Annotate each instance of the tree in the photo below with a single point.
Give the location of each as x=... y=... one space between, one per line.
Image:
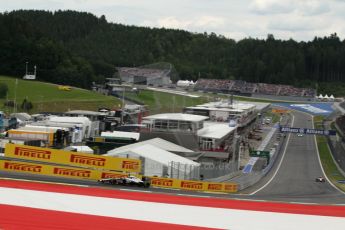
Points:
x=3 y=90
x=26 y=105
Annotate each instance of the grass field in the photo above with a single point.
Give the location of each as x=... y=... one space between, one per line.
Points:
x=164 y=102
x=328 y=164
x=47 y=97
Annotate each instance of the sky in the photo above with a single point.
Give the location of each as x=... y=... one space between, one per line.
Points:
x=300 y=20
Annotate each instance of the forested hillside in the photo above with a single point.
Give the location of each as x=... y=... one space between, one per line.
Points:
x=78 y=48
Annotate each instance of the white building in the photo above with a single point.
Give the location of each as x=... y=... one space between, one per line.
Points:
x=216 y=136
x=93 y=116
x=174 y=122
x=223 y=111
x=190 y=131
x=82 y=126
x=144 y=76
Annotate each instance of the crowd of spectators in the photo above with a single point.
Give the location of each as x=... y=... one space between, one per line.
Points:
x=213 y=85
x=269 y=89
x=248 y=87
x=287 y=90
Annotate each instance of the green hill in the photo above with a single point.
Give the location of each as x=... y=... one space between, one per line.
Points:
x=48 y=97
x=78 y=48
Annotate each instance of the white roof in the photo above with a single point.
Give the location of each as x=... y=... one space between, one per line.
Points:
x=53 y=124
x=121 y=134
x=215 y=109
x=84 y=112
x=177 y=116
x=159 y=155
x=226 y=104
x=84 y=148
x=157 y=142
x=82 y=120
x=320 y=96
x=215 y=130
x=41 y=128
x=326 y=96
x=331 y=96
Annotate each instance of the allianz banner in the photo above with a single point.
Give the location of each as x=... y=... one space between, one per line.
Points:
x=72 y=158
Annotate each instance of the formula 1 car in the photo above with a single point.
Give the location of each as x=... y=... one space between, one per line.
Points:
x=320 y=179
x=130 y=180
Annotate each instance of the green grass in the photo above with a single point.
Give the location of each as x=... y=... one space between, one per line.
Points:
x=160 y=102
x=47 y=97
x=327 y=161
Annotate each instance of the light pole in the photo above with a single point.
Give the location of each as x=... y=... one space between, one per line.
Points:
x=26 y=68
x=15 y=96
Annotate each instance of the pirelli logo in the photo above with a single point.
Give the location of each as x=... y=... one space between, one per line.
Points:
x=231 y=187
x=72 y=172
x=162 y=182
x=132 y=165
x=191 y=185
x=214 y=187
x=86 y=160
x=112 y=175
x=23 y=167
x=32 y=153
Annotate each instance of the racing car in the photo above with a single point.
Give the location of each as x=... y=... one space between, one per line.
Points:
x=130 y=180
x=320 y=179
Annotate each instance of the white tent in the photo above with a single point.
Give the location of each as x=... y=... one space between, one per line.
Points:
x=320 y=96
x=331 y=97
x=157 y=162
x=157 y=142
x=186 y=83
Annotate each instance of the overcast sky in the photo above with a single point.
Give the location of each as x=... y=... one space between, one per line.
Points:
x=237 y=19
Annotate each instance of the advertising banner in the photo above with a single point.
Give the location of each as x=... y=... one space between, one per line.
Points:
x=308 y=131
x=280 y=111
x=72 y=158
x=49 y=170
x=60 y=171
x=193 y=185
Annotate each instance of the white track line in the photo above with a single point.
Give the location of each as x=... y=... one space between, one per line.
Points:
x=45 y=182
x=280 y=163
x=134 y=190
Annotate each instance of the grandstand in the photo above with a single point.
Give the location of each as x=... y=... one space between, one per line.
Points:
x=157 y=74
x=243 y=87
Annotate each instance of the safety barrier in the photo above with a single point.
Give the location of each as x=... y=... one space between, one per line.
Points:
x=59 y=171
x=193 y=185
x=72 y=158
x=90 y=174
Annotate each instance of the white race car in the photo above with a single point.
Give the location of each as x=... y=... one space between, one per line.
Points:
x=130 y=180
x=320 y=179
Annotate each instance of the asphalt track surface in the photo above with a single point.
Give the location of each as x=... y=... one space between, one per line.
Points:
x=292 y=179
